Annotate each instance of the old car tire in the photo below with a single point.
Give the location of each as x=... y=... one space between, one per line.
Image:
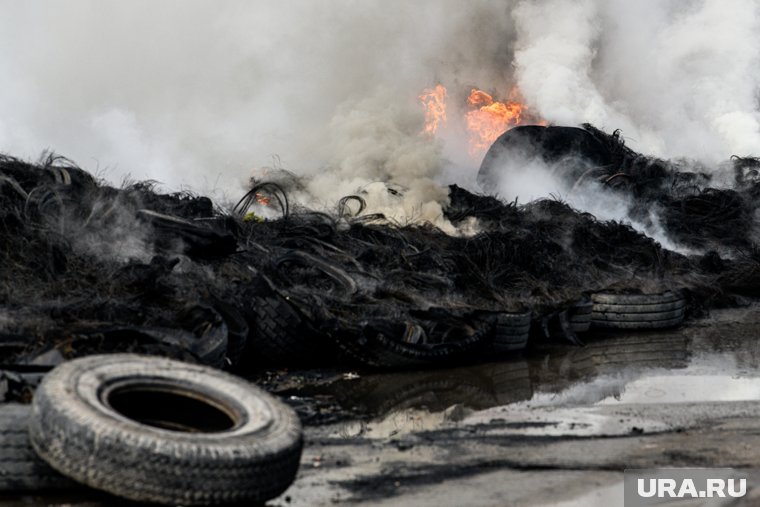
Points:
x=237 y=328
x=20 y=468
x=638 y=311
x=640 y=308
x=511 y=331
x=281 y=335
x=156 y=430
x=211 y=333
x=580 y=316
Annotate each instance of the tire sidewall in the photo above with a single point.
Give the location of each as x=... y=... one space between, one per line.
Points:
x=82 y=437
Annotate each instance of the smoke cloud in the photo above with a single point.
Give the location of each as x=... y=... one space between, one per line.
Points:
x=679 y=77
x=199 y=94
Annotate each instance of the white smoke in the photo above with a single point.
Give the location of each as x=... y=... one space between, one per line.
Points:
x=185 y=91
x=525 y=178
x=198 y=94
x=679 y=77
x=375 y=145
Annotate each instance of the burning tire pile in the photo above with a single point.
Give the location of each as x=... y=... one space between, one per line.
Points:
x=91 y=269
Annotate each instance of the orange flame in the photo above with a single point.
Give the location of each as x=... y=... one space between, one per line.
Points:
x=488 y=119
x=262 y=199
x=434 y=102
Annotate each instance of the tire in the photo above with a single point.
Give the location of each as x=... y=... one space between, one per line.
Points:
x=211 y=333
x=119 y=423
x=637 y=317
x=20 y=468
x=511 y=332
x=580 y=316
x=637 y=299
x=237 y=328
x=280 y=336
x=638 y=311
x=552 y=144
x=634 y=308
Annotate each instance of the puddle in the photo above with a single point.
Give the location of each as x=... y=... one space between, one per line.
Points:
x=563 y=390
x=616 y=385
x=687 y=389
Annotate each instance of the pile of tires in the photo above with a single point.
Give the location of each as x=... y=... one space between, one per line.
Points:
x=579 y=316
x=156 y=430
x=511 y=331
x=638 y=311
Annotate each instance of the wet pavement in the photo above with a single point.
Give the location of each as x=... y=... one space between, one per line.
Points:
x=556 y=426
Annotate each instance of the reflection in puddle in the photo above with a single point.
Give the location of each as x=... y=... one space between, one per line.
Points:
x=649 y=369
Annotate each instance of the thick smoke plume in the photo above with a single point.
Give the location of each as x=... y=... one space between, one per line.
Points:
x=203 y=94
x=679 y=77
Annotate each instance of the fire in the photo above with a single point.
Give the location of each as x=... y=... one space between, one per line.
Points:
x=262 y=199
x=488 y=119
x=434 y=102
x=485 y=118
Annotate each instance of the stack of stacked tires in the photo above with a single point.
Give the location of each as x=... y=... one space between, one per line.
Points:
x=638 y=311
x=580 y=316
x=511 y=331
